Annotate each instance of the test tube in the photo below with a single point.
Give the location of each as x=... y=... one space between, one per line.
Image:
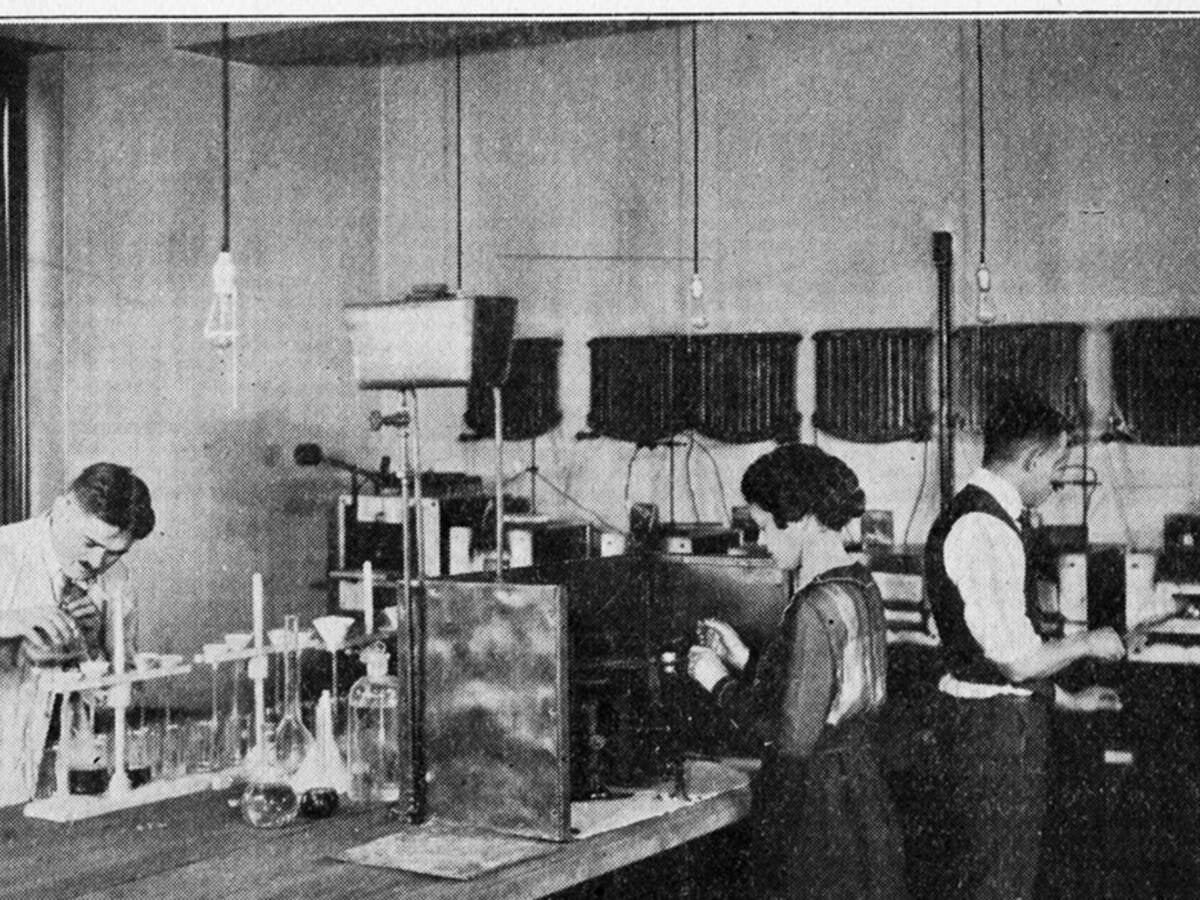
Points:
x=173 y=750
x=201 y=746
x=138 y=762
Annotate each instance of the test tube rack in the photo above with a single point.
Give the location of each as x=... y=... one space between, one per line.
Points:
x=66 y=807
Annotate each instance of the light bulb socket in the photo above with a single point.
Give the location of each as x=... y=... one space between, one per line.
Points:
x=697 y=287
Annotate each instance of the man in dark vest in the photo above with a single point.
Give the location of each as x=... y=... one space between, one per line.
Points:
x=997 y=667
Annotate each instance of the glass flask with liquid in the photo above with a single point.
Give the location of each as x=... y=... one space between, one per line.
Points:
x=269 y=800
x=88 y=751
x=373 y=732
x=292 y=740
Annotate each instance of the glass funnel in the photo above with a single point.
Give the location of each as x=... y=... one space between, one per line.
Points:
x=292 y=740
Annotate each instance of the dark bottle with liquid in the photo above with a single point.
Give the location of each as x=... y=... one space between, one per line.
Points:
x=91 y=781
x=318 y=803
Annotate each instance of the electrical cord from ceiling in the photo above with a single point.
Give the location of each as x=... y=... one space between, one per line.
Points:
x=458 y=173
x=985 y=310
x=696 y=317
x=982 y=147
x=225 y=190
x=695 y=158
x=220 y=326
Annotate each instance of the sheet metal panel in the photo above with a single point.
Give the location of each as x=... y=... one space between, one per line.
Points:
x=496 y=706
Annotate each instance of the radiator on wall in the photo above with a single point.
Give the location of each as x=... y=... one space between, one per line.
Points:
x=1156 y=380
x=1043 y=358
x=736 y=388
x=529 y=397
x=873 y=384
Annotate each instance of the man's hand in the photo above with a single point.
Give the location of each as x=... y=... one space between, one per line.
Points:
x=720 y=637
x=1105 y=644
x=42 y=625
x=81 y=608
x=705 y=667
x=49 y=635
x=1090 y=700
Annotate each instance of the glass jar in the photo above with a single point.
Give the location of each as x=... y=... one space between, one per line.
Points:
x=373 y=732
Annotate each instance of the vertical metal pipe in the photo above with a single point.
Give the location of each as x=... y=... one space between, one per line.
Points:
x=1085 y=421
x=943 y=262
x=416 y=639
x=498 y=436
x=418 y=510
x=533 y=475
x=671 y=478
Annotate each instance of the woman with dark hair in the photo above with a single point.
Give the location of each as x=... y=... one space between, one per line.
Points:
x=824 y=824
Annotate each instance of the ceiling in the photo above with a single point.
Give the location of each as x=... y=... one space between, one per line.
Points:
x=369 y=43
x=359 y=42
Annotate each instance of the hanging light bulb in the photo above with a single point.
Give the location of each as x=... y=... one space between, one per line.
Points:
x=985 y=310
x=221 y=328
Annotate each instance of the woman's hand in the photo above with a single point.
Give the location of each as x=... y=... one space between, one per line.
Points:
x=705 y=667
x=720 y=637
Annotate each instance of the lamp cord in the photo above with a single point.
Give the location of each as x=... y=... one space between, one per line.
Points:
x=695 y=159
x=458 y=207
x=982 y=145
x=225 y=242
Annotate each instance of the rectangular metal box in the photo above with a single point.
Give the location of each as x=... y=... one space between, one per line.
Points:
x=431 y=343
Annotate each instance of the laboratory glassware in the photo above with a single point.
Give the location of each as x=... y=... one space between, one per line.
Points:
x=373 y=732
x=292 y=739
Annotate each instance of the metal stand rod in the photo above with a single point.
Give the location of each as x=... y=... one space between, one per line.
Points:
x=671 y=478
x=419 y=512
x=943 y=262
x=414 y=634
x=416 y=732
x=498 y=436
x=533 y=473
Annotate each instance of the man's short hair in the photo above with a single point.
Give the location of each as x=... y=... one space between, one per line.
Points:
x=114 y=495
x=1018 y=419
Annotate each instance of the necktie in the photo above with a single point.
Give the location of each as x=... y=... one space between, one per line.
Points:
x=90 y=626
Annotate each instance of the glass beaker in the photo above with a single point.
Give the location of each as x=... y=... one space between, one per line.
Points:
x=292 y=739
x=89 y=768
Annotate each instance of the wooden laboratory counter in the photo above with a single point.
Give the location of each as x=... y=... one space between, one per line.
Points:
x=199 y=847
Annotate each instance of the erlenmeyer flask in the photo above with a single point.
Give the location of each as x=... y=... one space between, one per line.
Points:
x=292 y=739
